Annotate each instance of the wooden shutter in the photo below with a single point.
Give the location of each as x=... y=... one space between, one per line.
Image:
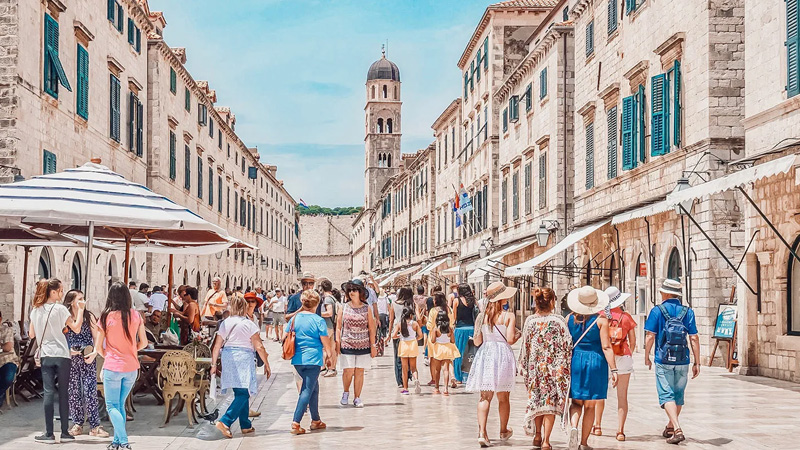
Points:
x=114 y=114
x=138 y=40
x=48 y=162
x=628 y=139
x=590 y=38
x=486 y=53
x=612 y=16
x=658 y=112
x=466 y=85
x=528 y=192
x=187 y=100
x=82 y=97
x=210 y=185
x=478 y=65
x=640 y=124
x=172 y=156
x=528 y=99
x=131 y=121
x=120 y=17
x=504 y=201
x=542 y=180
x=111 y=9
x=139 y=128
x=611 y=121
x=515 y=195
x=792 y=48
x=187 y=168
x=543 y=83
x=131 y=35
x=590 y=156
x=173 y=80
x=199 y=177
x=676 y=104
x=219 y=194
x=505 y=119
x=471 y=76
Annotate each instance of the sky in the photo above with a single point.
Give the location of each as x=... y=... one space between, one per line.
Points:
x=294 y=72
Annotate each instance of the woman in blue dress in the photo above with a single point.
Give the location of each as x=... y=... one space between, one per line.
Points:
x=591 y=358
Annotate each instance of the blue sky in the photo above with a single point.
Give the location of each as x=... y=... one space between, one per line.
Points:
x=293 y=72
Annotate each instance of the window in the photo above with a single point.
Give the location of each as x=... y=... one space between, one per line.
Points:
x=504 y=201
x=229 y=150
x=210 y=185
x=612 y=15
x=486 y=53
x=793 y=292
x=219 y=193
x=513 y=108
x=187 y=100
x=633 y=130
x=666 y=111
x=173 y=81
x=228 y=202
x=674 y=266
x=631 y=5
x=82 y=96
x=543 y=83
x=172 y=156
x=187 y=168
x=590 y=38
x=543 y=180
x=505 y=120
x=466 y=85
x=611 y=119
x=48 y=163
x=515 y=195
x=528 y=97
x=472 y=76
x=565 y=14
x=115 y=14
x=199 y=177
x=202 y=114
x=589 y=155
x=792 y=48
x=527 y=187
x=219 y=138
x=114 y=106
x=211 y=128
x=485 y=123
x=478 y=68
x=135 y=124
x=53 y=70
x=485 y=206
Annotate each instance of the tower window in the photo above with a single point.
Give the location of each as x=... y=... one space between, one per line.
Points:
x=380 y=125
x=385 y=92
x=373 y=92
x=389 y=160
x=396 y=96
x=388 y=125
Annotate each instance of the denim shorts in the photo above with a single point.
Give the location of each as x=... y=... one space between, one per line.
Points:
x=671 y=383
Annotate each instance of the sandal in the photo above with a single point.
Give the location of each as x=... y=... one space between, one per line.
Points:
x=318 y=425
x=297 y=429
x=507 y=435
x=621 y=436
x=537 y=440
x=668 y=432
x=224 y=429
x=597 y=431
x=676 y=438
x=547 y=447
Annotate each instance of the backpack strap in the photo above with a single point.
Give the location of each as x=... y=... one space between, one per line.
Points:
x=682 y=314
x=664 y=312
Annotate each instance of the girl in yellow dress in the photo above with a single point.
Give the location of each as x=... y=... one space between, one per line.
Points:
x=444 y=348
x=408 y=331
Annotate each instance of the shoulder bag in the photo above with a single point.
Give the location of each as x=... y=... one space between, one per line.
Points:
x=288 y=341
x=37 y=357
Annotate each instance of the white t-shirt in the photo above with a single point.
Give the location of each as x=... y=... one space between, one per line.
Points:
x=383 y=305
x=398 y=313
x=52 y=337
x=139 y=300
x=280 y=305
x=157 y=301
x=238 y=330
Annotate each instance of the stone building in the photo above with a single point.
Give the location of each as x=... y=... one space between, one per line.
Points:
x=83 y=80
x=325 y=246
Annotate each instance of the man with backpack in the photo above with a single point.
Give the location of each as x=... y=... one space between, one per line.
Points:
x=671 y=327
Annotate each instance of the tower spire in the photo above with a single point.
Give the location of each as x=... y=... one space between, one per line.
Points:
x=383 y=50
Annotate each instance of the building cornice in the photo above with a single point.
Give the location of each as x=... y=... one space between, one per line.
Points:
x=447 y=114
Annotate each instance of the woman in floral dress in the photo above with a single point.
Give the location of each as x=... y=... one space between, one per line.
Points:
x=544 y=361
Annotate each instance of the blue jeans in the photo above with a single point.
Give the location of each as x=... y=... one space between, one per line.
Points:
x=117 y=387
x=671 y=383
x=55 y=378
x=309 y=393
x=425 y=338
x=239 y=409
x=7 y=372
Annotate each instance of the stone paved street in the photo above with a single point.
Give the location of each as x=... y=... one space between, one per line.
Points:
x=724 y=412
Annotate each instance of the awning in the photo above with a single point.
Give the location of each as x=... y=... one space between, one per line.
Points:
x=479 y=274
x=428 y=269
x=389 y=277
x=451 y=272
x=399 y=273
x=645 y=211
x=527 y=267
x=498 y=255
x=736 y=179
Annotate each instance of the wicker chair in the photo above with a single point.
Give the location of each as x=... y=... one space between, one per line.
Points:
x=176 y=375
x=201 y=381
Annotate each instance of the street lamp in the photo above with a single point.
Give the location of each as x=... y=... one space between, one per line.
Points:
x=263 y=263
x=543 y=233
x=483 y=250
x=685 y=206
x=286 y=270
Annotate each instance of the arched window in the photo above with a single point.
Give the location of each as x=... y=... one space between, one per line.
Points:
x=77 y=272
x=588 y=279
x=197 y=285
x=674 y=266
x=227 y=281
x=45 y=266
x=385 y=92
x=373 y=92
x=132 y=269
x=380 y=125
x=389 y=160
x=793 y=292
x=209 y=282
x=396 y=97
x=388 y=125
x=185 y=276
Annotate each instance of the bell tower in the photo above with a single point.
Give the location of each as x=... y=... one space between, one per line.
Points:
x=382 y=127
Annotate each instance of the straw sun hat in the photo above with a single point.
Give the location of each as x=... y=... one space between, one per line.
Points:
x=587 y=300
x=498 y=291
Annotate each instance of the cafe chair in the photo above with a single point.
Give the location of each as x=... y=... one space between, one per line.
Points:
x=201 y=380
x=176 y=379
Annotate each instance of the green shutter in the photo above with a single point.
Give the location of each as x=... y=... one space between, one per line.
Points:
x=82 y=97
x=173 y=81
x=628 y=138
x=471 y=76
x=590 y=38
x=659 y=113
x=612 y=16
x=528 y=99
x=630 y=6
x=139 y=128
x=639 y=125
x=542 y=180
x=505 y=119
x=53 y=70
x=792 y=48
x=131 y=35
x=199 y=177
x=676 y=104
x=187 y=100
x=590 y=156
x=131 y=121
x=111 y=9
x=138 y=40
x=48 y=162
x=219 y=194
x=187 y=168
x=466 y=85
x=611 y=121
x=210 y=185
x=478 y=66
x=114 y=102
x=172 y=157
x=486 y=53
x=120 y=18
x=543 y=83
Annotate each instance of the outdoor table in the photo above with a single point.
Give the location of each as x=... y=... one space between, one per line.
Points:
x=148 y=378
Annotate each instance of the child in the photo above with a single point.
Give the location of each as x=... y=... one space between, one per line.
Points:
x=444 y=349
x=407 y=331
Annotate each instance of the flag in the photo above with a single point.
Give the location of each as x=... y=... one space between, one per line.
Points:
x=465 y=204
x=457 y=214
x=303 y=204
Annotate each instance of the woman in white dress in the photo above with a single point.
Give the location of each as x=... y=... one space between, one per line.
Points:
x=494 y=366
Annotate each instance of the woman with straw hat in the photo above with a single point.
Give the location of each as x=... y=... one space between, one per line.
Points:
x=591 y=358
x=494 y=366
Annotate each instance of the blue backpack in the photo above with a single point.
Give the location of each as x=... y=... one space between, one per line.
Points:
x=675 y=341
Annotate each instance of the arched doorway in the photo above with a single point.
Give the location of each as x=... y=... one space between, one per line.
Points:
x=77 y=271
x=45 y=269
x=197 y=284
x=793 y=292
x=132 y=269
x=674 y=265
x=111 y=271
x=227 y=281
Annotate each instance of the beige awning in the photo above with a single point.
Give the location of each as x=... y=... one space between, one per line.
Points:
x=428 y=269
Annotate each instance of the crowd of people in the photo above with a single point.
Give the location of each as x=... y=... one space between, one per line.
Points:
x=567 y=363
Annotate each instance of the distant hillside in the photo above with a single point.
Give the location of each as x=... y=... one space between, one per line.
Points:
x=338 y=211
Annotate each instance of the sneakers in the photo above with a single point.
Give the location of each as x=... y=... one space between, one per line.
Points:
x=76 y=430
x=46 y=438
x=112 y=446
x=405 y=392
x=330 y=373
x=345 y=399
x=98 y=432
x=124 y=447
x=417 y=388
x=66 y=437
x=252 y=413
x=358 y=403
x=574 y=438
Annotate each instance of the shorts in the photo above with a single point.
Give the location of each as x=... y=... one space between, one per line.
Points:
x=355 y=361
x=279 y=318
x=671 y=383
x=624 y=364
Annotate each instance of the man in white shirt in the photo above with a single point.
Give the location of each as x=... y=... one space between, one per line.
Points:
x=157 y=299
x=138 y=300
x=278 y=307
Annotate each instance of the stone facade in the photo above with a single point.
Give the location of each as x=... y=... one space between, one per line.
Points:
x=325 y=247
x=45 y=127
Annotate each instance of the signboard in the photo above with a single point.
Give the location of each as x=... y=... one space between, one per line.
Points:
x=642 y=269
x=726 y=322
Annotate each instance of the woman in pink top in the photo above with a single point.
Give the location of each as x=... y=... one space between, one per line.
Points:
x=121 y=335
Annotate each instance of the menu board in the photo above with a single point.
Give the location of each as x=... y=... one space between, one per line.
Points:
x=726 y=322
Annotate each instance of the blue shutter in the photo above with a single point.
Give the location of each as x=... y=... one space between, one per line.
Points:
x=187 y=168
x=82 y=97
x=486 y=53
x=528 y=99
x=590 y=38
x=172 y=156
x=612 y=16
x=628 y=138
x=111 y=9
x=676 y=101
x=199 y=177
x=639 y=125
x=792 y=48
x=590 y=156
x=658 y=112
x=48 y=162
x=611 y=121
x=630 y=6
x=114 y=102
x=131 y=33
x=543 y=83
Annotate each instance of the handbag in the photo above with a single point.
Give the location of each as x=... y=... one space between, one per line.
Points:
x=288 y=342
x=468 y=356
x=37 y=357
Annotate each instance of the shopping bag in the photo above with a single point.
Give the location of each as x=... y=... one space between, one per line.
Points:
x=468 y=356
x=212 y=389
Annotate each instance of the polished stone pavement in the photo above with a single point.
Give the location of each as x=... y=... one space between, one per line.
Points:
x=724 y=411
